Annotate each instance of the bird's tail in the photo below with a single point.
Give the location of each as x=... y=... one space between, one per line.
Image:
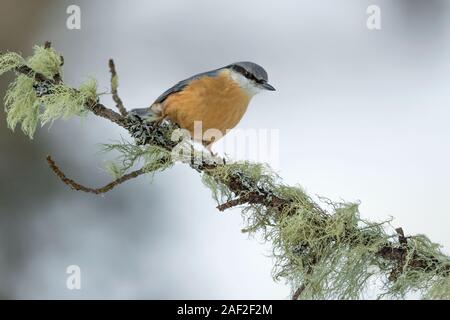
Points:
x=151 y=114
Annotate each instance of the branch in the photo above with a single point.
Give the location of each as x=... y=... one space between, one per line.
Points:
x=298 y=292
x=76 y=186
x=232 y=203
x=304 y=233
x=95 y=107
x=26 y=70
x=100 y=110
x=114 y=85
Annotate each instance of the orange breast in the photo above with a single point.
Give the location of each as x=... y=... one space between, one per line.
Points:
x=218 y=102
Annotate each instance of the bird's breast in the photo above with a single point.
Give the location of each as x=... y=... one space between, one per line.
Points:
x=218 y=102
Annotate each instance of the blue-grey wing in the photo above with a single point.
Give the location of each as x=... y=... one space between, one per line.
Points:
x=182 y=84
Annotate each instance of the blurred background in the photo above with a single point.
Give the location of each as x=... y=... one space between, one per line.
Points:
x=362 y=115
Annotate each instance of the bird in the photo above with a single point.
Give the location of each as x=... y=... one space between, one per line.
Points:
x=218 y=99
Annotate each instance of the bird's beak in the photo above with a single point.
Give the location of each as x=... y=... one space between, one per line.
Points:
x=267 y=86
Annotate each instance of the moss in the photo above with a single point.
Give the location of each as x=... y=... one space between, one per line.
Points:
x=9 y=61
x=22 y=105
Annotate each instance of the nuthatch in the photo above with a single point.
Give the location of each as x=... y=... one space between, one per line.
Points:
x=218 y=99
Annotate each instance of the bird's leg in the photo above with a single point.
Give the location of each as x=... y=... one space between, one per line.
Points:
x=153 y=115
x=160 y=120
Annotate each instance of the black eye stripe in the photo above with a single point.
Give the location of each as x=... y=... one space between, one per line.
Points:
x=250 y=71
x=247 y=74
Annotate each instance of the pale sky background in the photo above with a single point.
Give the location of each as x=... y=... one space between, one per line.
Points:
x=362 y=115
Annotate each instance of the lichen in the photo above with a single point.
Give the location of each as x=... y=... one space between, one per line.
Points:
x=152 y=158
x=439 y=289
x=431 y=279
x=322 y=246
x=114 y=82
x=65 y=102
x=245 y=171
x=45 y=61
x=114 y=169
x=9 y=61
x=325 y=247
x=22 y=105
x=28 y=101
x=327 y=253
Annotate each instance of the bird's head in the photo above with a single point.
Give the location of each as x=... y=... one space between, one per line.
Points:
x=250 y=76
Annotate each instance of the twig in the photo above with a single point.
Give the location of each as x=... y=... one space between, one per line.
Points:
x=401 y=236
x=26 y=70
x=232 y=203
x=76 y=186
x=115 y=95
x=95 y=107
x=302 y=288
x=246 y=193
x=298 y=292
x=100 y=110
x=391 y=252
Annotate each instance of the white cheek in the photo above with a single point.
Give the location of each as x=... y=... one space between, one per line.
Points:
x=246 y=84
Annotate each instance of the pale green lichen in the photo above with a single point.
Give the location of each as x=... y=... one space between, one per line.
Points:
x=88 y=90
x=430 y=279
x=114 y=82
x=332 y=252
x=22 y=105
x=439 y=289
x=328 y=254
x=153 y=158
x=64 y=102
x=114 y=169
x=45 y=61
x=9 y=61
x=59 y=101
x=246 y=171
